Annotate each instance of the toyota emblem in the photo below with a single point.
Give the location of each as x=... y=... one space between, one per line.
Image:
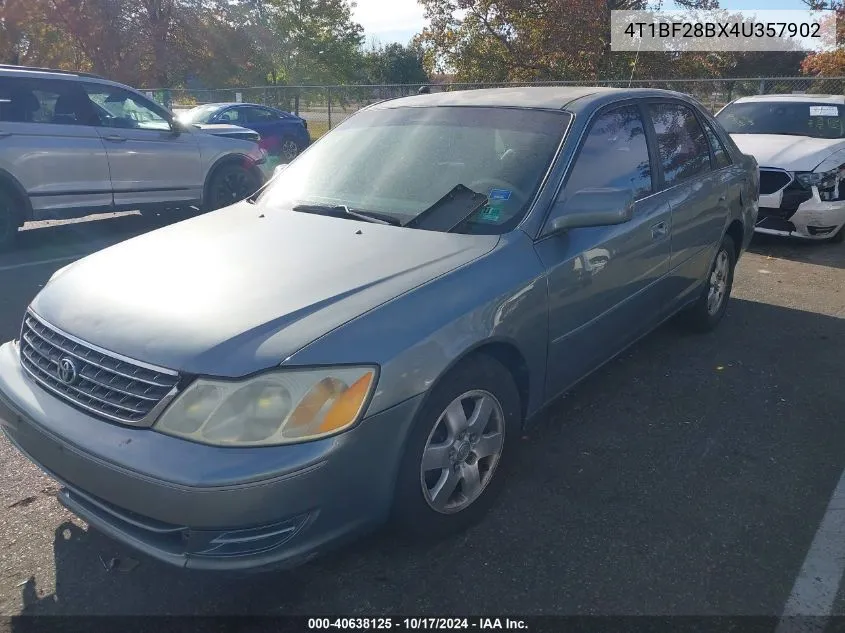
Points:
x=67 y=371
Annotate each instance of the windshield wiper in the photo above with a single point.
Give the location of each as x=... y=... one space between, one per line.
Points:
x=343 y=210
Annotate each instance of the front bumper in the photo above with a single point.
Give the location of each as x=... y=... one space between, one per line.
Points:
x=814 y=219
x=207 y=507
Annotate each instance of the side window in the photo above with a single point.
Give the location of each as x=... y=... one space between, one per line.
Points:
x=721 y=157
x=614 y=154
x=235 y=116
x=45 y=101
x=118 y=108
x=684 y=151
x=260 y=115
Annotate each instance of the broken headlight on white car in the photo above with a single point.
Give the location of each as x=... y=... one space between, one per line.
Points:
x=827 y=182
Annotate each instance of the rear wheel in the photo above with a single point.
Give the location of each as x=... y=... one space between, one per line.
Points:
x=10 y=220
x=288 y=150
x=453 y=465
x=706 y=313
x=230 y=184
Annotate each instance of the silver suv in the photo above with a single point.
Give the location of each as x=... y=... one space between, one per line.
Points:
x=73 y=144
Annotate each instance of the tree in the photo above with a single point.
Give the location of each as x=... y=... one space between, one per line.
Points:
x=309 y=41
x=830 y=63
x=522 y=40
x=395 y=64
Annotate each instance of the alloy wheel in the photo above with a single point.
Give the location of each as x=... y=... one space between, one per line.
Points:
x=288 y=151
x=718 y=282
x=462 y=451
x=232 y=187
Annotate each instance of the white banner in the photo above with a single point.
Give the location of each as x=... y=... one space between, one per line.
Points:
x=723 y=30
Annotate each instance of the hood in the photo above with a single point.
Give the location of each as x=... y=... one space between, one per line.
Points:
x=243 y=288
x=793 y=153
x=224 y=129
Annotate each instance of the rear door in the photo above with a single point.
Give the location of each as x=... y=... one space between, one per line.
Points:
x=56 y=155
x=150 y=162
x=695 y=190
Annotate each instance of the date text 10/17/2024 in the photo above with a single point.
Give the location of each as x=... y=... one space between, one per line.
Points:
x=416 y=624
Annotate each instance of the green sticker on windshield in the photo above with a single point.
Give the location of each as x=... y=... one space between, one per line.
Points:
x=490 y=213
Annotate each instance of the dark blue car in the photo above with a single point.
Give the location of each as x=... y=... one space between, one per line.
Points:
x=282 y=134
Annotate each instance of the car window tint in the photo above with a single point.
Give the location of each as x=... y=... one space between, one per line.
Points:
x=684 y=152
x=614 y=154
x=57 y=102
x=721 y=157
x=121 y=109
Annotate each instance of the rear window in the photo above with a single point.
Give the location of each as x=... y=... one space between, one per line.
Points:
x=804 y=118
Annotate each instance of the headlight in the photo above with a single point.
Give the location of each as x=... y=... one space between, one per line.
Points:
x=280 y=407
x=822 y=180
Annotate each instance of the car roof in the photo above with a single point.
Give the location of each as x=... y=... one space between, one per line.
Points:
x=795 y=98
x=229 y=104
x=534 y=97
x=29 y=72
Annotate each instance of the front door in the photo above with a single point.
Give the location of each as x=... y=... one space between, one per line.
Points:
x=150 y=163
x=605 y=283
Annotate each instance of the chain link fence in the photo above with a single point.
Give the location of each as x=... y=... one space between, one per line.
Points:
x=326 y=106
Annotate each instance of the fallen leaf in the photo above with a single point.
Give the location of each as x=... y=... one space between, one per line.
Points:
x=125 y=565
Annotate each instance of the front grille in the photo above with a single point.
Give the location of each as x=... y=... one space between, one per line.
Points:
x=773 y=180
x=794 y=196
x=113 y=388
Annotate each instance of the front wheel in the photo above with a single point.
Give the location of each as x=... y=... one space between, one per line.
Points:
x=706 y=313
x=840 y=236
x=230 y=184
x=452 y=468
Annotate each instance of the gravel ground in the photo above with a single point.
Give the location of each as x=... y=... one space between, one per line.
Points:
x=686 y=477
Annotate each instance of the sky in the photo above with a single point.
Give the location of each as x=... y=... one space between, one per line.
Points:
x=399 y=20
x=390 y=20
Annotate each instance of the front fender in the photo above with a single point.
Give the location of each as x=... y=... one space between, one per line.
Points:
x=417 y=337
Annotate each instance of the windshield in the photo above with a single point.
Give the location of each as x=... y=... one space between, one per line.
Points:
x=200 y=114
x=399 y=162
x=818 y=120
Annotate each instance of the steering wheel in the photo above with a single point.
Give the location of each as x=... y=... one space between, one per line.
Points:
x=484 y=185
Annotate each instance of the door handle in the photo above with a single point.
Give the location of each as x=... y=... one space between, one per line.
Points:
x=661 y=229
x=114 y=138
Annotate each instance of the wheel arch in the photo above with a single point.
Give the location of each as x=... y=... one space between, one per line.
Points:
x=507 y=353
x=736 y=231
x=239 y=160
x=11 y=185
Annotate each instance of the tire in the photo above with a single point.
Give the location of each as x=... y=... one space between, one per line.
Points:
x=10 y=220
x=229 y=184
x=840 y=236
x=421 y=507
x=707 y=312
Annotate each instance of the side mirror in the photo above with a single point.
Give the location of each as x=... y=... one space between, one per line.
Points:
x=593 y=207
x=176 y=126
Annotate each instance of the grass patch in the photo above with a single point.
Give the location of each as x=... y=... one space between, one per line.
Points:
x=317 y=129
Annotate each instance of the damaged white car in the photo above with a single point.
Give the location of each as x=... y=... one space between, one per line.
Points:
x=799 y=143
